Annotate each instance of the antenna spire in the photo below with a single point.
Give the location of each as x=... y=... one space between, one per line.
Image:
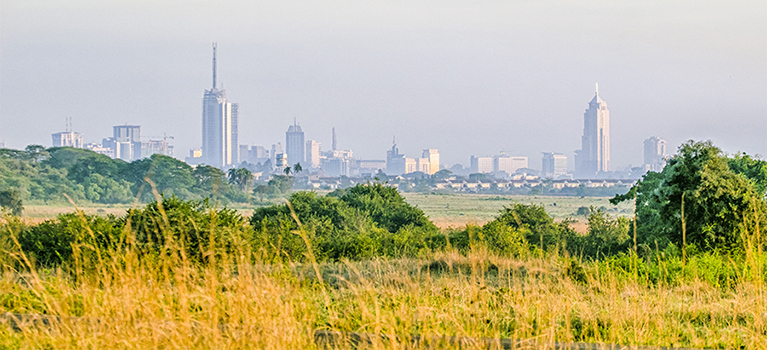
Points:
x=334 y=138
x=214 y=65
x=597 y=88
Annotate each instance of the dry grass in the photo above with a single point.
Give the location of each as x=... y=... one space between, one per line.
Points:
x=135 y=302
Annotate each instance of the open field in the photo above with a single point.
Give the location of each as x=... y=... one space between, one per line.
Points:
x=447 y=210
x=139 y=305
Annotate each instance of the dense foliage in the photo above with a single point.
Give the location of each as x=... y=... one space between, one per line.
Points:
x=189 y=224
x=47 y=175
x=362 y=222
x=723 y=201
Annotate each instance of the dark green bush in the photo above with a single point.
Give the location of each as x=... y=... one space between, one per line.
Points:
x=364 y=221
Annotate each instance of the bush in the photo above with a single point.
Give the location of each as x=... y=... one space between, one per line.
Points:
x=11 y=200
x=357 y=223
x=173 y=226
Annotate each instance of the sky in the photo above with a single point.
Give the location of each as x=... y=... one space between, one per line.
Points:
x=465 y=77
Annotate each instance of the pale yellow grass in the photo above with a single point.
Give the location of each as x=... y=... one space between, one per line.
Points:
x=136 y=303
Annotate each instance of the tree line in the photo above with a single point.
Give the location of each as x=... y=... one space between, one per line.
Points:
x=49 y=175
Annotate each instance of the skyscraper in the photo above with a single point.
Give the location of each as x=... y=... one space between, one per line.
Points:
x=432 y=155
x=126 y=141
x=313 y=151
x=294 y=145
x=553 y=164
x=654 y=154
x=219 y=126
x=594 y=155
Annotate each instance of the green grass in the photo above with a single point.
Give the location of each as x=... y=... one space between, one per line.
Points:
x=460 y=209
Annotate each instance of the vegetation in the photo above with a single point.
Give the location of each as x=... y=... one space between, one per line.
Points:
x=49 y=175
x=179 y=273
x=700 y=201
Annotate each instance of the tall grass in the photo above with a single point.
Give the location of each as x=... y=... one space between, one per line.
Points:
x=131 y=297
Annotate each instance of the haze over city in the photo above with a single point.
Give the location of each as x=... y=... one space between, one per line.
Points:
x=464 y=78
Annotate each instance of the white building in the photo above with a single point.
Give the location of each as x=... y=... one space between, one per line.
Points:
x=553 y=164
x=594 y=155
x=67 y=139
x=219 y=126
x=313 y=151
x=432 y=156
x=481 y=164
x=509 y=164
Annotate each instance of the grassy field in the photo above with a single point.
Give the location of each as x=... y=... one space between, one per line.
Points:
x=445 y=210
x=229 y=295
x=459 y=209
x=134 y=304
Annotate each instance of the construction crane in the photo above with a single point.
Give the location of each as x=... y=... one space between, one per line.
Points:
x=163 y=149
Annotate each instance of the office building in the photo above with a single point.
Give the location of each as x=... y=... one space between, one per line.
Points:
x=67 y=139
x=654 y=154
x=481 y=164
x=594 y=155
x=553 y=164
x=313 y=152
x=508 y=164
x=276 y=149
x=130 y=134
x=294 y=144
x=219 y=126
x=337 y=163
x=432 y=156
x=395 y=162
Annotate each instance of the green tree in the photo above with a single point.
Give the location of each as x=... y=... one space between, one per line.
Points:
x=241 y=177
x=297 y=168
x=11 y=200
x=286 y=171
x=171 y=176
x=720 y=206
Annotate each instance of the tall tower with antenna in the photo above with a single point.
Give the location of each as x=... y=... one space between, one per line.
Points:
x=219 y=125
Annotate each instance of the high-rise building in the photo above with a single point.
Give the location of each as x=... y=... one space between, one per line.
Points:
x=481 y=164
x=594 y=155
x=242 y=154
x=67 y=139
x=508 y=164
x=395 y=162
x=130 y=134
x=294 y=144
x=219 y=126
x=654 y=154
x=313 y=151
x=276 y=149
x=553 y=164
x=432 y=156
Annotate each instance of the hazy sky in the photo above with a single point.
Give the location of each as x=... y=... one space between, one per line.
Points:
x=466 y=77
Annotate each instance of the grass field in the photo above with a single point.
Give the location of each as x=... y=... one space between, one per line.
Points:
x=134 y=303
x=445 y=210
x=460 y=209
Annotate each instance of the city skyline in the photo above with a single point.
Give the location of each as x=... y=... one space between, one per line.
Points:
x=473 y=79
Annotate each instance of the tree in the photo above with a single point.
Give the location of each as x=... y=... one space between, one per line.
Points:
x=240 y=177
x=36 y=153
x=381 y=176
x=297 y=168
x=720 y=206
x=442 y=174
x=11 y=200
x=286 y=171
x=170 y=176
